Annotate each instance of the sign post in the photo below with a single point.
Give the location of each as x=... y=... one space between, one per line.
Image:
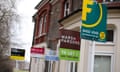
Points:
x=93 y=27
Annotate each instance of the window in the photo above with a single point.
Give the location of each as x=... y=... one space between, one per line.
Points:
x=72 y=66
x=49 y=66
x=102 y=63
x=110 y=0
x=42 y=24
x=66 y=8
x=110 y=35
x=116 y=0
x=107 y=0
x=45 y=22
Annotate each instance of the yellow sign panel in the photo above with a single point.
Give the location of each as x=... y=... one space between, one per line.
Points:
x=17 y=57
x=86 y=9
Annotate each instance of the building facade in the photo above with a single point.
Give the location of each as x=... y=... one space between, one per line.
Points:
x=54 y=15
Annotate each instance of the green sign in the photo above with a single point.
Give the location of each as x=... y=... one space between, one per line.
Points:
x=94 y=17
x=69 y=54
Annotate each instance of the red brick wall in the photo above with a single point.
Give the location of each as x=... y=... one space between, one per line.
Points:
x=43 y=10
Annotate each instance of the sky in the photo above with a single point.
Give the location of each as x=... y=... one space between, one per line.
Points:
x=24 y=28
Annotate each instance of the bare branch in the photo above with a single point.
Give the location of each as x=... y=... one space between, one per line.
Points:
x=7 y=16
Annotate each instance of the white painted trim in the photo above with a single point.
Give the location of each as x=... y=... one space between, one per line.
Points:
x=73 y=67
x=106 y=44
x=102 y=53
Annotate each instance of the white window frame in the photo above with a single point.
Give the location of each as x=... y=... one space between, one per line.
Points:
x=104 y=53
x=41 y=25
x=66 y=9
x=107 y=54
x=101 y=53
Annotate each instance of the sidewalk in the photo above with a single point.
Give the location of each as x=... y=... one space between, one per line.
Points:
x=15 y=70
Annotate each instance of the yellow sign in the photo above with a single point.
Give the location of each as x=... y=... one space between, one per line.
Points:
x=89 y=10
x=86 y=9
x=17 y=57
x=102 y=35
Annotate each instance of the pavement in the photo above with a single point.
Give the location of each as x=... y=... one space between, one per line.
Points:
x=17 y=70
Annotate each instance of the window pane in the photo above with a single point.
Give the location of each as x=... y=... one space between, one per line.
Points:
x=111 y=0
x=50 y=66
x=116 y=0
x=110 y=35
x=73 y=67
x=102 y=64
x=76 y=67
x=46 y=66
x=40 y=25
x=66 y=8
x=107 y=0
x=45 y=22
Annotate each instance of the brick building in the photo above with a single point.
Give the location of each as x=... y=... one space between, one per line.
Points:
x=54 y=15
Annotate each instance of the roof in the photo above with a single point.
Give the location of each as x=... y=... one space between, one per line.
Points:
x=41 y=3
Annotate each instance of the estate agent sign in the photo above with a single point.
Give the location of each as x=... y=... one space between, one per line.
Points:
x=69 y=45
x=17 y=54
x=37 y=52
x=94 y=21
